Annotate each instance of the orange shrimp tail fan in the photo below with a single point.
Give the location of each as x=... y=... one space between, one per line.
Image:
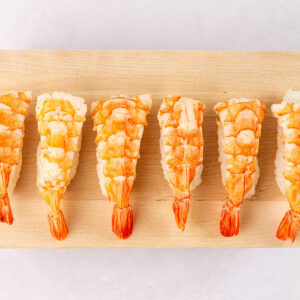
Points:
x=6 y=215
x=289 y=226
x=122 y=222
x=229 y=223
x=181 y=210
x=58 y=226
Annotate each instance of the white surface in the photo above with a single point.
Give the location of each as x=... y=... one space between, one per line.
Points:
x=150 y=274
x=152 y=24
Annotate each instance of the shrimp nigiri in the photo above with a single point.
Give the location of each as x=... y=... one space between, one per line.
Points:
x=60 y=118
x=239 y=130
x=13 y=110
x=288 y=161
x=181 y=146
x=119 y=123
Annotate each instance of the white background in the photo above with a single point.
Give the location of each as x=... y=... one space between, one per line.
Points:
x=147 y=273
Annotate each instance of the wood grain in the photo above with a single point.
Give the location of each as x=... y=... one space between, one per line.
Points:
x=210 y=76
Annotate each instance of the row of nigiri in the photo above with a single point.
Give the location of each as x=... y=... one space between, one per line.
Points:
x=119 y=123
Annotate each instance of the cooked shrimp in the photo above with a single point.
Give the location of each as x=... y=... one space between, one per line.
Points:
x=288 y=161
x=119 y=123
x=239 y=130
x=182 y=143
x=60 y=118
x=13 y=110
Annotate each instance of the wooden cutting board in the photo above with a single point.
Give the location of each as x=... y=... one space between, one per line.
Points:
x=210 y=76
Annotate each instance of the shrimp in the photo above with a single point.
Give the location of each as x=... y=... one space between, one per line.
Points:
x=288 y=161
x=182 y=144
x=13 y=110
x=60 y=119
x=119 y=123
x=239 y=130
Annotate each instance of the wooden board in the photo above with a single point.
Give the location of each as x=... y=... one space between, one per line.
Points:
x=210 y=76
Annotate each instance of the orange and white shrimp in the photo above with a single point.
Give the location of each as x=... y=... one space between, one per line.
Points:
x=13 y=110
x=239 y=130
x=181 y=146
x=60 y=119
x=288 y=161
x=119 y=123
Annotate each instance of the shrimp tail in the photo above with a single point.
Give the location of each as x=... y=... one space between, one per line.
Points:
x=122 y=222
x=58 y=226
x=6 y=215
x=289 y=226
x=181 y=210
x=229 y=223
